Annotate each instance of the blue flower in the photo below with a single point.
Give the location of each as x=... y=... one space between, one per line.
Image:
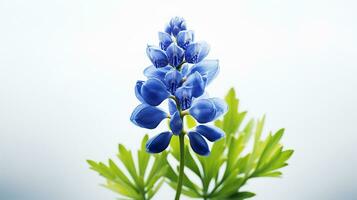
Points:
x=147 y=116
x=207 y=110
x=207 y=68
x=173 y=80
x=179 y=73
x=198 y=143
x=138 y=86
x=159 y=73
x=165 y=40
x=176 y=123
x=174 y=54
x=197 y=83
x=196 y=52
x=184 y=97
x=157 y=56
x=211 y=133
x=159 y=143
x=184 y=38
x=176 y=25
x=153 y=91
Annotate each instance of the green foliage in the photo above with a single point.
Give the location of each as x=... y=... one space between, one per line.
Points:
x=242 y=155
x=230 y=164
x=138 y=181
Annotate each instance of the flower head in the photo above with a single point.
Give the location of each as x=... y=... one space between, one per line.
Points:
x=179 y=74
x=176 y=25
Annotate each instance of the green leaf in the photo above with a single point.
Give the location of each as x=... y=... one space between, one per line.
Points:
x=175 y=147
x=125 y=156
x=235 y=148
x=257 y=147
x=152 y=192
x=120 y=175
x=232 y=119
x=170 y=173
x=271 y=146
x=214 y=161
x=190 y=121
x=158 y=165
x=242 y=195
x=125 y=191
x=143 y=157
x=190 y=162
x=132 y=183
x=271 y=174
x=186 y=191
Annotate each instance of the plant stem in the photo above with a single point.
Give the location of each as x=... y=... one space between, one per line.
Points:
x=182 y=165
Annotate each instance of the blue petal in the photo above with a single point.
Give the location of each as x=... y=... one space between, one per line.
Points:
x=198 y=144
x=184 y=96
x=184 y=38
x=147 y=116
x=154 y=92
x=165 y=40
x=220 y=105
x=157 y=56
x=158 y=143
x=174 y=54
x=173 y=80
x=176 y=123
x=172 y=106
x=197 y=83
x=168 y=29
x=196 y=52
x=207 y=68
x=138 y=86
x=203 y=110
x=210 y=132
x=177 y=24
x=159 y=73
x=185 y=69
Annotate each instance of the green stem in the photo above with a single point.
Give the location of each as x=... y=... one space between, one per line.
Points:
x=182 y=165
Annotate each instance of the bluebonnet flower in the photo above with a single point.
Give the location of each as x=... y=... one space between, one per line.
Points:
x=179 y=74
x=176 y=25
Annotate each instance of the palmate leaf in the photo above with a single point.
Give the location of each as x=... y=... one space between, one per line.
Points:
x=230 y=165
x=137 y=181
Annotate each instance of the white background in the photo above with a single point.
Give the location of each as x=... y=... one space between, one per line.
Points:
x=67 y=71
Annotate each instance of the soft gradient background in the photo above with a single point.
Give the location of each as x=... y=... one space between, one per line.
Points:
x=67 y=71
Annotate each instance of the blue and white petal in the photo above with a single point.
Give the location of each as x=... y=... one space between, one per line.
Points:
x=153 y=91
x=168 y=29
x=198 y=143
x=203 y=110
x=185 y=69
x=196 y=52
x=157 y=56
x=159 y=73
x=177 y=24
x=172 y=106
x=207 y=68
x=197 y=83
x=147 y=116
x=184 y=38
x=184 y=96
x=138 y=86
x=173 y=80
x=158 y=143
x=211 y=133
x=165 y=40
x=176 y=123
x=175 y=54
x=220 y=105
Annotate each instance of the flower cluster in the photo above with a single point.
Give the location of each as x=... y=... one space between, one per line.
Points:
x=179 y=74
